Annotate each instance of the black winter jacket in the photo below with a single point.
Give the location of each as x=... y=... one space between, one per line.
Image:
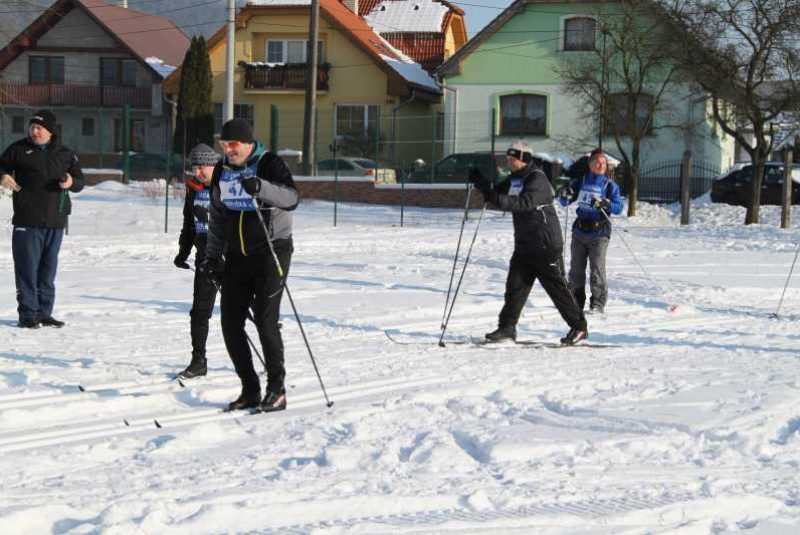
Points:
x=193 y=220
x=41 y=202
x=238 y=232
x=528 y=195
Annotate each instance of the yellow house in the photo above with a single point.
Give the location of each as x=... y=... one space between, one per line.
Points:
x=373 y=98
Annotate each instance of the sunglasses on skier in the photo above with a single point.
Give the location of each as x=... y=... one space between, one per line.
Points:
x=233 y=145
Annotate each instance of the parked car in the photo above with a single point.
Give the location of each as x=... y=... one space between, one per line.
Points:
x=734 y=187
x=356 y=167
x=145 y=166
x=454 y=169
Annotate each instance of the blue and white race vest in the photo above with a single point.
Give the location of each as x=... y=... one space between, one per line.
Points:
x=231 y=191
x=588 y=193
x=202 y=198
x=516 y=187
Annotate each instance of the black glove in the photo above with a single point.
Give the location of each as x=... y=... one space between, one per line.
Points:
x=484 y=186
x=201 y=213
x=213 y=269
x=252 y=185
x=601 y=204
x=180 y=261
x=475 y=175
x=566 y=193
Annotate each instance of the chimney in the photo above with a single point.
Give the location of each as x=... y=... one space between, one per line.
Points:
x=122 y=3
x=352 y=5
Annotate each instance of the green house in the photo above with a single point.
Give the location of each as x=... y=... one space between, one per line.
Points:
x=503 y=85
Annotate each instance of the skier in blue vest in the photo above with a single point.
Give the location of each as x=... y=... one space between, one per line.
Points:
x=597 y=196
x=202 y=159
x=251 y=178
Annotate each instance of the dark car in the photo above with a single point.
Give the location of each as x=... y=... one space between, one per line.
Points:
x=146 y=166
x=454 y=169
x=735 y=186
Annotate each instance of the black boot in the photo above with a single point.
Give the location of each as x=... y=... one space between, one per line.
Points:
x=50 y=321
x=198 y=367
x=502 y=333
x=247 y=400
x=273 y=402
x=575 y=336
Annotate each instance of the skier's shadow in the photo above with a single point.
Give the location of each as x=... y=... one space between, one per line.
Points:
x=163 y=306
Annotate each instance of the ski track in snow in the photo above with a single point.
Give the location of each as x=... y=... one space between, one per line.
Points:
x=690 y=423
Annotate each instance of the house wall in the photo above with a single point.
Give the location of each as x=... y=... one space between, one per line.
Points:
x=77 y=29
x=354 y=79
x=521 y=57
x=100 y=143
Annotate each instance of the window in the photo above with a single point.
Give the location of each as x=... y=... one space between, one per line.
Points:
x=358 y=121
x=136 y=135
x=523 y=115
x=17 y=124
x=240 y=111
x=117 y=71
x=45 y=70
x=87 y=126
x=618 y=109
x=579 y=33
x=291 y=51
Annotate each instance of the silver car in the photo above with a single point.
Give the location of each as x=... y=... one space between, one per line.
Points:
x=352 y=166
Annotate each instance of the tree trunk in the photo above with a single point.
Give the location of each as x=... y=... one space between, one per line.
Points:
x=753 y=210
x=636 y=170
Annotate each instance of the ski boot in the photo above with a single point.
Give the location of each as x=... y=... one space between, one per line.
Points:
x=196 y=368
x=273 y=402
x=575 y=336
x=502 y=334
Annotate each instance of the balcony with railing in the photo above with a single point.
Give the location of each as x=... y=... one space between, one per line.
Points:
x=288 y=77
x=46 y=95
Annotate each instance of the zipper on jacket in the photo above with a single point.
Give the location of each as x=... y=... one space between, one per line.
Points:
x=241 y=233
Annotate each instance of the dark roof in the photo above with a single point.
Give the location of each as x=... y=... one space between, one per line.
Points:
x=141 y=34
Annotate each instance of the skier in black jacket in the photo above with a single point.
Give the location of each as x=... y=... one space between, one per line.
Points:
x=202 y=158
x=538 y=245
x=40 y=173
x=250 y=175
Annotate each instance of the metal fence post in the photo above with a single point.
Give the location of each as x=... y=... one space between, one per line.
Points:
x=126 y=143
x=685 y=187
x=403 y=175
x=273 y=128
x=786 y=198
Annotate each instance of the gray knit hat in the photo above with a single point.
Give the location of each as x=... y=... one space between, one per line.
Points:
x=203 y=155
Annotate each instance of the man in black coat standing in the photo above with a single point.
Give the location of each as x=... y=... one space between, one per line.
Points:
x=538 y=245
x=40 y=173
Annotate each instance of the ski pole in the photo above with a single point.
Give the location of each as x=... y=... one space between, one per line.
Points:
x=279 y=269
x=251 y=318
x=461 y=278
x=566 y=226
x=797 y=250
x=455 y=259
x=670 y=307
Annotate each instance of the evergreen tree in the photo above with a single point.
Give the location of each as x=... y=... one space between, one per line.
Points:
x=204 y=108
x=195 y=110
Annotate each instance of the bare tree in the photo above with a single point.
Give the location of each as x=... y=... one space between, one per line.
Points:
x=624 y=84
x=744 y=54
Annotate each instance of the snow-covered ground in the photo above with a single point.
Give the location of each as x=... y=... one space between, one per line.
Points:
x=689 y=424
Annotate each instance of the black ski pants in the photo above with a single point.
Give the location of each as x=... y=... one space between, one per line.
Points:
x=205 y=294
x=254 y=281
x=548 y=267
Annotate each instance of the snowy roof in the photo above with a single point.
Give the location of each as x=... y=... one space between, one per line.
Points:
x=158 y=64
x=408 y=68
x=407 y=16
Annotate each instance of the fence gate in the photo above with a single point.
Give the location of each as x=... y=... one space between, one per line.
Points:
x=661 y=181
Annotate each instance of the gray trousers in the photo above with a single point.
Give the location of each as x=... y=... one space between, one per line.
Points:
x=593 y=249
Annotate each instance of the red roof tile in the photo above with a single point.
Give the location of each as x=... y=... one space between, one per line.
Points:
x=427 y=49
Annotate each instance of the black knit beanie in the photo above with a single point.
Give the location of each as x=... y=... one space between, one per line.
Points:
x=237 y=130
x=45 y=119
